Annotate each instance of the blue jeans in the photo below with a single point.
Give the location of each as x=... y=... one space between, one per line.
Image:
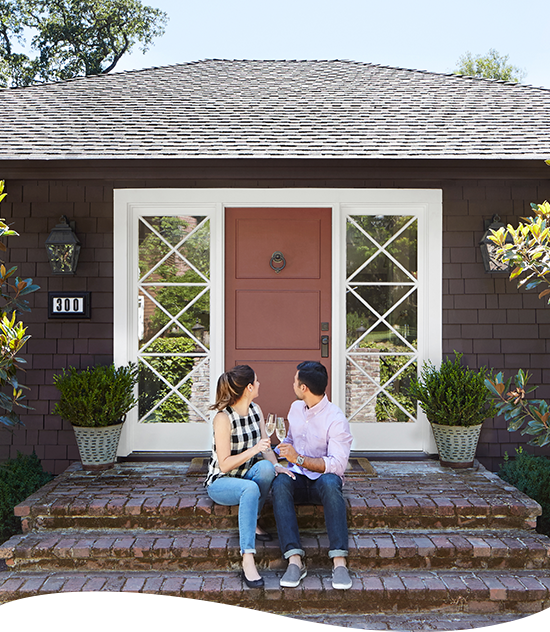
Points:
x=325 y=490
x=249 y=493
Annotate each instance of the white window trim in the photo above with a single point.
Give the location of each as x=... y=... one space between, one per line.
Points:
x=426 y=202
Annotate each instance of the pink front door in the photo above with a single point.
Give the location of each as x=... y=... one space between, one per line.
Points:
x=278 y=307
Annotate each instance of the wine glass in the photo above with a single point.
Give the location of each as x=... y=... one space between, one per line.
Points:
x=280 y=429
x=270 y=424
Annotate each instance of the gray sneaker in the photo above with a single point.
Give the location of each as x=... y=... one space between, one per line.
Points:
x=293 y=576
x=340 y=578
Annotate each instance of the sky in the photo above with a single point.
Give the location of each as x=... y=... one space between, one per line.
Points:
x=423 y=34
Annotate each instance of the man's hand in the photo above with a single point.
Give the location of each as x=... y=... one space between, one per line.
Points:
x=288 y=452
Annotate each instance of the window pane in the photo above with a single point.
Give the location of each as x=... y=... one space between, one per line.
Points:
x=381 y=317
x=174 y=319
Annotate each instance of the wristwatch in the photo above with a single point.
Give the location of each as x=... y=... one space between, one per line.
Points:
x=300 y=460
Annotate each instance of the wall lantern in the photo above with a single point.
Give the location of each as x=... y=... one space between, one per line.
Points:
x=63 y=248
x=491 y=263
x=198 y=330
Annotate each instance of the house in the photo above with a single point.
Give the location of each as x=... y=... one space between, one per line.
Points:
x=266 y=212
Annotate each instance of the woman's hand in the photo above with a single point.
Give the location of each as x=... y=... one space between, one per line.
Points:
x=281 y=469
x=263 y=445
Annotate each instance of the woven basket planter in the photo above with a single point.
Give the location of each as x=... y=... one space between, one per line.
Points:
x=98 y=446
x=456 y=444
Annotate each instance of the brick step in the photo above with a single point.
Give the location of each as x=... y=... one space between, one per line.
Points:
x=374 y=549
x=298 y=622
x=199 y=512
x=469 y=592
x=163 y=496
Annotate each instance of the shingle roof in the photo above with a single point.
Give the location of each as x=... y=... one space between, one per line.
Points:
x=281 y=109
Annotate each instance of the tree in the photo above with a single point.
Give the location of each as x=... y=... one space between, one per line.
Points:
x=73 y=38
x=490 y=66
x=527 y=250
x=13 y=336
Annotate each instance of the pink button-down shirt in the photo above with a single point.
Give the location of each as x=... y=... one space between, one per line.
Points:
x=321 y=431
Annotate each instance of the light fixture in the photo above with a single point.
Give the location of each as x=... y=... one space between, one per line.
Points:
x=63 y=248
x=491 y=262
x=198 y=330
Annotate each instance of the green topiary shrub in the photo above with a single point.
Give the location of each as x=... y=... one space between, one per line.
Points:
x=531 y=475
x=452 y=395
x=98 y=396
x=19 y=478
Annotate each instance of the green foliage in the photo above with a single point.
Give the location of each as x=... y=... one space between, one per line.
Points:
x=173 y=368
x=19 y=478
x=531 y=475
x=490 y=66
x=399 y=242
x=386 y=409
x=176 y=298
x=13 y=335
x=452 y=395
x=97 y=396
x=511 y=401
x=73 y=38
x=527 y=249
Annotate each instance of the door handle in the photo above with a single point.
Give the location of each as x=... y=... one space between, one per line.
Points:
x=324 y=346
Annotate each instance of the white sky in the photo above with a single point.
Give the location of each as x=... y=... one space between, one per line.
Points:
x=418 y=34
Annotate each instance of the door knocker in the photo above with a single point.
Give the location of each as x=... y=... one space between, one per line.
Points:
x=277 y=258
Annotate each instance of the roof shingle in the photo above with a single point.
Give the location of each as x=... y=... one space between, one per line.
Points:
x=275 y=109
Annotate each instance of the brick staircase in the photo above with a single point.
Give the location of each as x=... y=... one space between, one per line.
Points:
x=425 y=541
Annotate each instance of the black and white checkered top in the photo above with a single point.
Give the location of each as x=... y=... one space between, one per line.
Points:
x=245 y=433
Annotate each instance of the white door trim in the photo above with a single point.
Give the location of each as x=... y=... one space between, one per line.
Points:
x=427 y=203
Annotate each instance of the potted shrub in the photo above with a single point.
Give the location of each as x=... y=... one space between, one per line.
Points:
x=456 y=402
x=95 y=401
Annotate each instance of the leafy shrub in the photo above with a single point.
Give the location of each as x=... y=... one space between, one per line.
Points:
x=173 y=368
x=19 y=478
x=452 y=395
x=97 y=396
x=513 y=404
x=531 y=475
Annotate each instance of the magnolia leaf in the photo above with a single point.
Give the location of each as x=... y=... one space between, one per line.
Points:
x=516 y=424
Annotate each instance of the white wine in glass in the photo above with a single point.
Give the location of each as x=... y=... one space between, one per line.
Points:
x=270 y=424
x=280 y=429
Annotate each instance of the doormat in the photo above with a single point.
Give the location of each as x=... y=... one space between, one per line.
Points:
x=357 y=467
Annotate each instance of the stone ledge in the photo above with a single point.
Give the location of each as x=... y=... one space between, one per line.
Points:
x=293 y=622
x=452 y=591
x=160 y=495
x=220 y=549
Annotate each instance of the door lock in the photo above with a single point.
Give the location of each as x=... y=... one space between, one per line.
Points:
x=324 y=346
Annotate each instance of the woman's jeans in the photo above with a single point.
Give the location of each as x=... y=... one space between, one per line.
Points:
x=249 y=493
x=325 y=490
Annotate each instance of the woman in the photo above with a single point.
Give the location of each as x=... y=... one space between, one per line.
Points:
x=235 y=475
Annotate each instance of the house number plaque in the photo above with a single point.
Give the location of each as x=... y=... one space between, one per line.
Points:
x=68 y=304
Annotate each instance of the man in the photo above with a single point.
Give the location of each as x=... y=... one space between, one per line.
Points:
x=317 y=448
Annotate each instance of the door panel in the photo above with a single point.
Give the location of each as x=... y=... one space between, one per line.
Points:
x=265 y=320
x=274 y=316
x=256 y=238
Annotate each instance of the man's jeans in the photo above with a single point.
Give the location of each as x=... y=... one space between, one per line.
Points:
x=249 y=493
x=325 y=490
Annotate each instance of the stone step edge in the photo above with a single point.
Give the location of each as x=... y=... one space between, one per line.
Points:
x=406 y=547
x=274 y=622
x=468 y=592
x=191 y=504
x=305 y=521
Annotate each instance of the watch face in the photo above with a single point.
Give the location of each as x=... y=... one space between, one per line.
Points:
x=300 y=460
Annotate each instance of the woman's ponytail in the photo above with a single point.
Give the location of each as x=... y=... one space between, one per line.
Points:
x=231 y=385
